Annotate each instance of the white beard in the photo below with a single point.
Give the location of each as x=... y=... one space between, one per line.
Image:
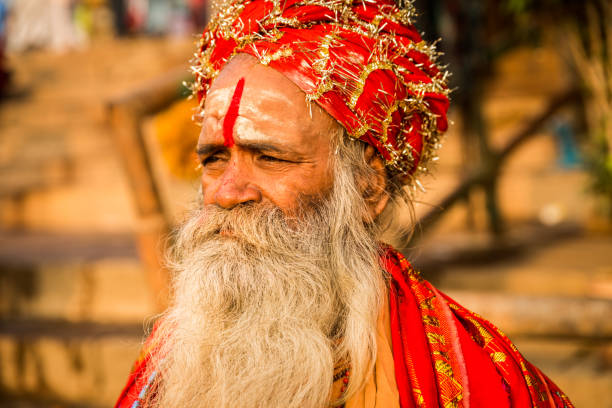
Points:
x=265 y=305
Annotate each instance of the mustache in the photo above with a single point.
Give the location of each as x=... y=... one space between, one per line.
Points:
x=257 y=224
x=248 y=219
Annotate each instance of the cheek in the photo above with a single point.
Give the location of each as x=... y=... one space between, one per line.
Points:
x=282 y=194
x=286 y=192
x=319 y=179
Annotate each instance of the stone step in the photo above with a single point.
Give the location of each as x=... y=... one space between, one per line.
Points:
x=72 y=278
x=31 y=160
x=538 y=261
x=73 y=313
x=541 y=316
x=61 y=364
x=61 y=115
x=20 y=180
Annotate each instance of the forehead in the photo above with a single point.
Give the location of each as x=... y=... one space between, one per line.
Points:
x=271 y=105
x=259 y=79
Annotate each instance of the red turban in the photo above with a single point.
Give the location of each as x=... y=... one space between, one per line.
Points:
x=362 y=61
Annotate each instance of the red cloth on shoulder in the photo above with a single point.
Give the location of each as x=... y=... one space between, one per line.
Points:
x=132 y=394
x=447 y=356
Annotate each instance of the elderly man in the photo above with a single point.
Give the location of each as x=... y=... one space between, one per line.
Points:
x=316 y=117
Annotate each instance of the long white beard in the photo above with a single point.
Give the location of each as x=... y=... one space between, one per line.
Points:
x=265 y=305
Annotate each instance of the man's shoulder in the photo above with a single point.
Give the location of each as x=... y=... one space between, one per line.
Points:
x=465 y=354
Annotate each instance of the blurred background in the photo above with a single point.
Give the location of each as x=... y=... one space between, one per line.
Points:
x=97 y=165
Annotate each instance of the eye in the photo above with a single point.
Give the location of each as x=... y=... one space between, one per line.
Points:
x=210 y=160
x=267 y=158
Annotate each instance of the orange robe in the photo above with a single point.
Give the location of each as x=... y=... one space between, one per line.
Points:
x=432 y=353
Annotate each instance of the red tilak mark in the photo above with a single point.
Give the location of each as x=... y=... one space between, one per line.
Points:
x=232 y=115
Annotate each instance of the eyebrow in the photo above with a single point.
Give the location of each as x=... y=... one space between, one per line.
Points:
x=205 y=149
x=208 y=148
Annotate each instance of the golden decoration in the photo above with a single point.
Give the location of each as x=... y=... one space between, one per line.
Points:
x=436 y=338
x=427 y=303
x=499 y=357
x=431 y=320
x=400 y=159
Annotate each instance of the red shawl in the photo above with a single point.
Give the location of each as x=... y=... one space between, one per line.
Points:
x=453 y=357
x=445 y=356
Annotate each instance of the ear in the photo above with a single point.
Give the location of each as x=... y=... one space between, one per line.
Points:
x=374 y=190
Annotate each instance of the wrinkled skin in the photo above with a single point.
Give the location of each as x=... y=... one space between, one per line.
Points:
x=280 y=144
x=281 y=150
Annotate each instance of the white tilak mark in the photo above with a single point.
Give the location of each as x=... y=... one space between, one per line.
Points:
x=246 y=132
x=224 y=95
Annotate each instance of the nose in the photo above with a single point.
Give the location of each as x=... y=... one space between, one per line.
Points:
x=236 y=187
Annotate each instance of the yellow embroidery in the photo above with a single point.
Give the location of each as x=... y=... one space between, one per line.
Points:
x=441 y=353
x=427 y=303
x=436 y=338
x=484 y=334
x=431 y=320
x=499 y=357
x=444 y=368
x=420 y=401
x=454 y=403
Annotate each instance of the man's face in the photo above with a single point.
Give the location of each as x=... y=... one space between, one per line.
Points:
x=277 y=148
x=276 y=301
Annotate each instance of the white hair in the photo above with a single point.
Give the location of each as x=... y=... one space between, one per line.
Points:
x=267 y=305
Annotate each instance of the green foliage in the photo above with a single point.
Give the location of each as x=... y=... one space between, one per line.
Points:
x=517 y=6
x=553 y=7
x=599 y=164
